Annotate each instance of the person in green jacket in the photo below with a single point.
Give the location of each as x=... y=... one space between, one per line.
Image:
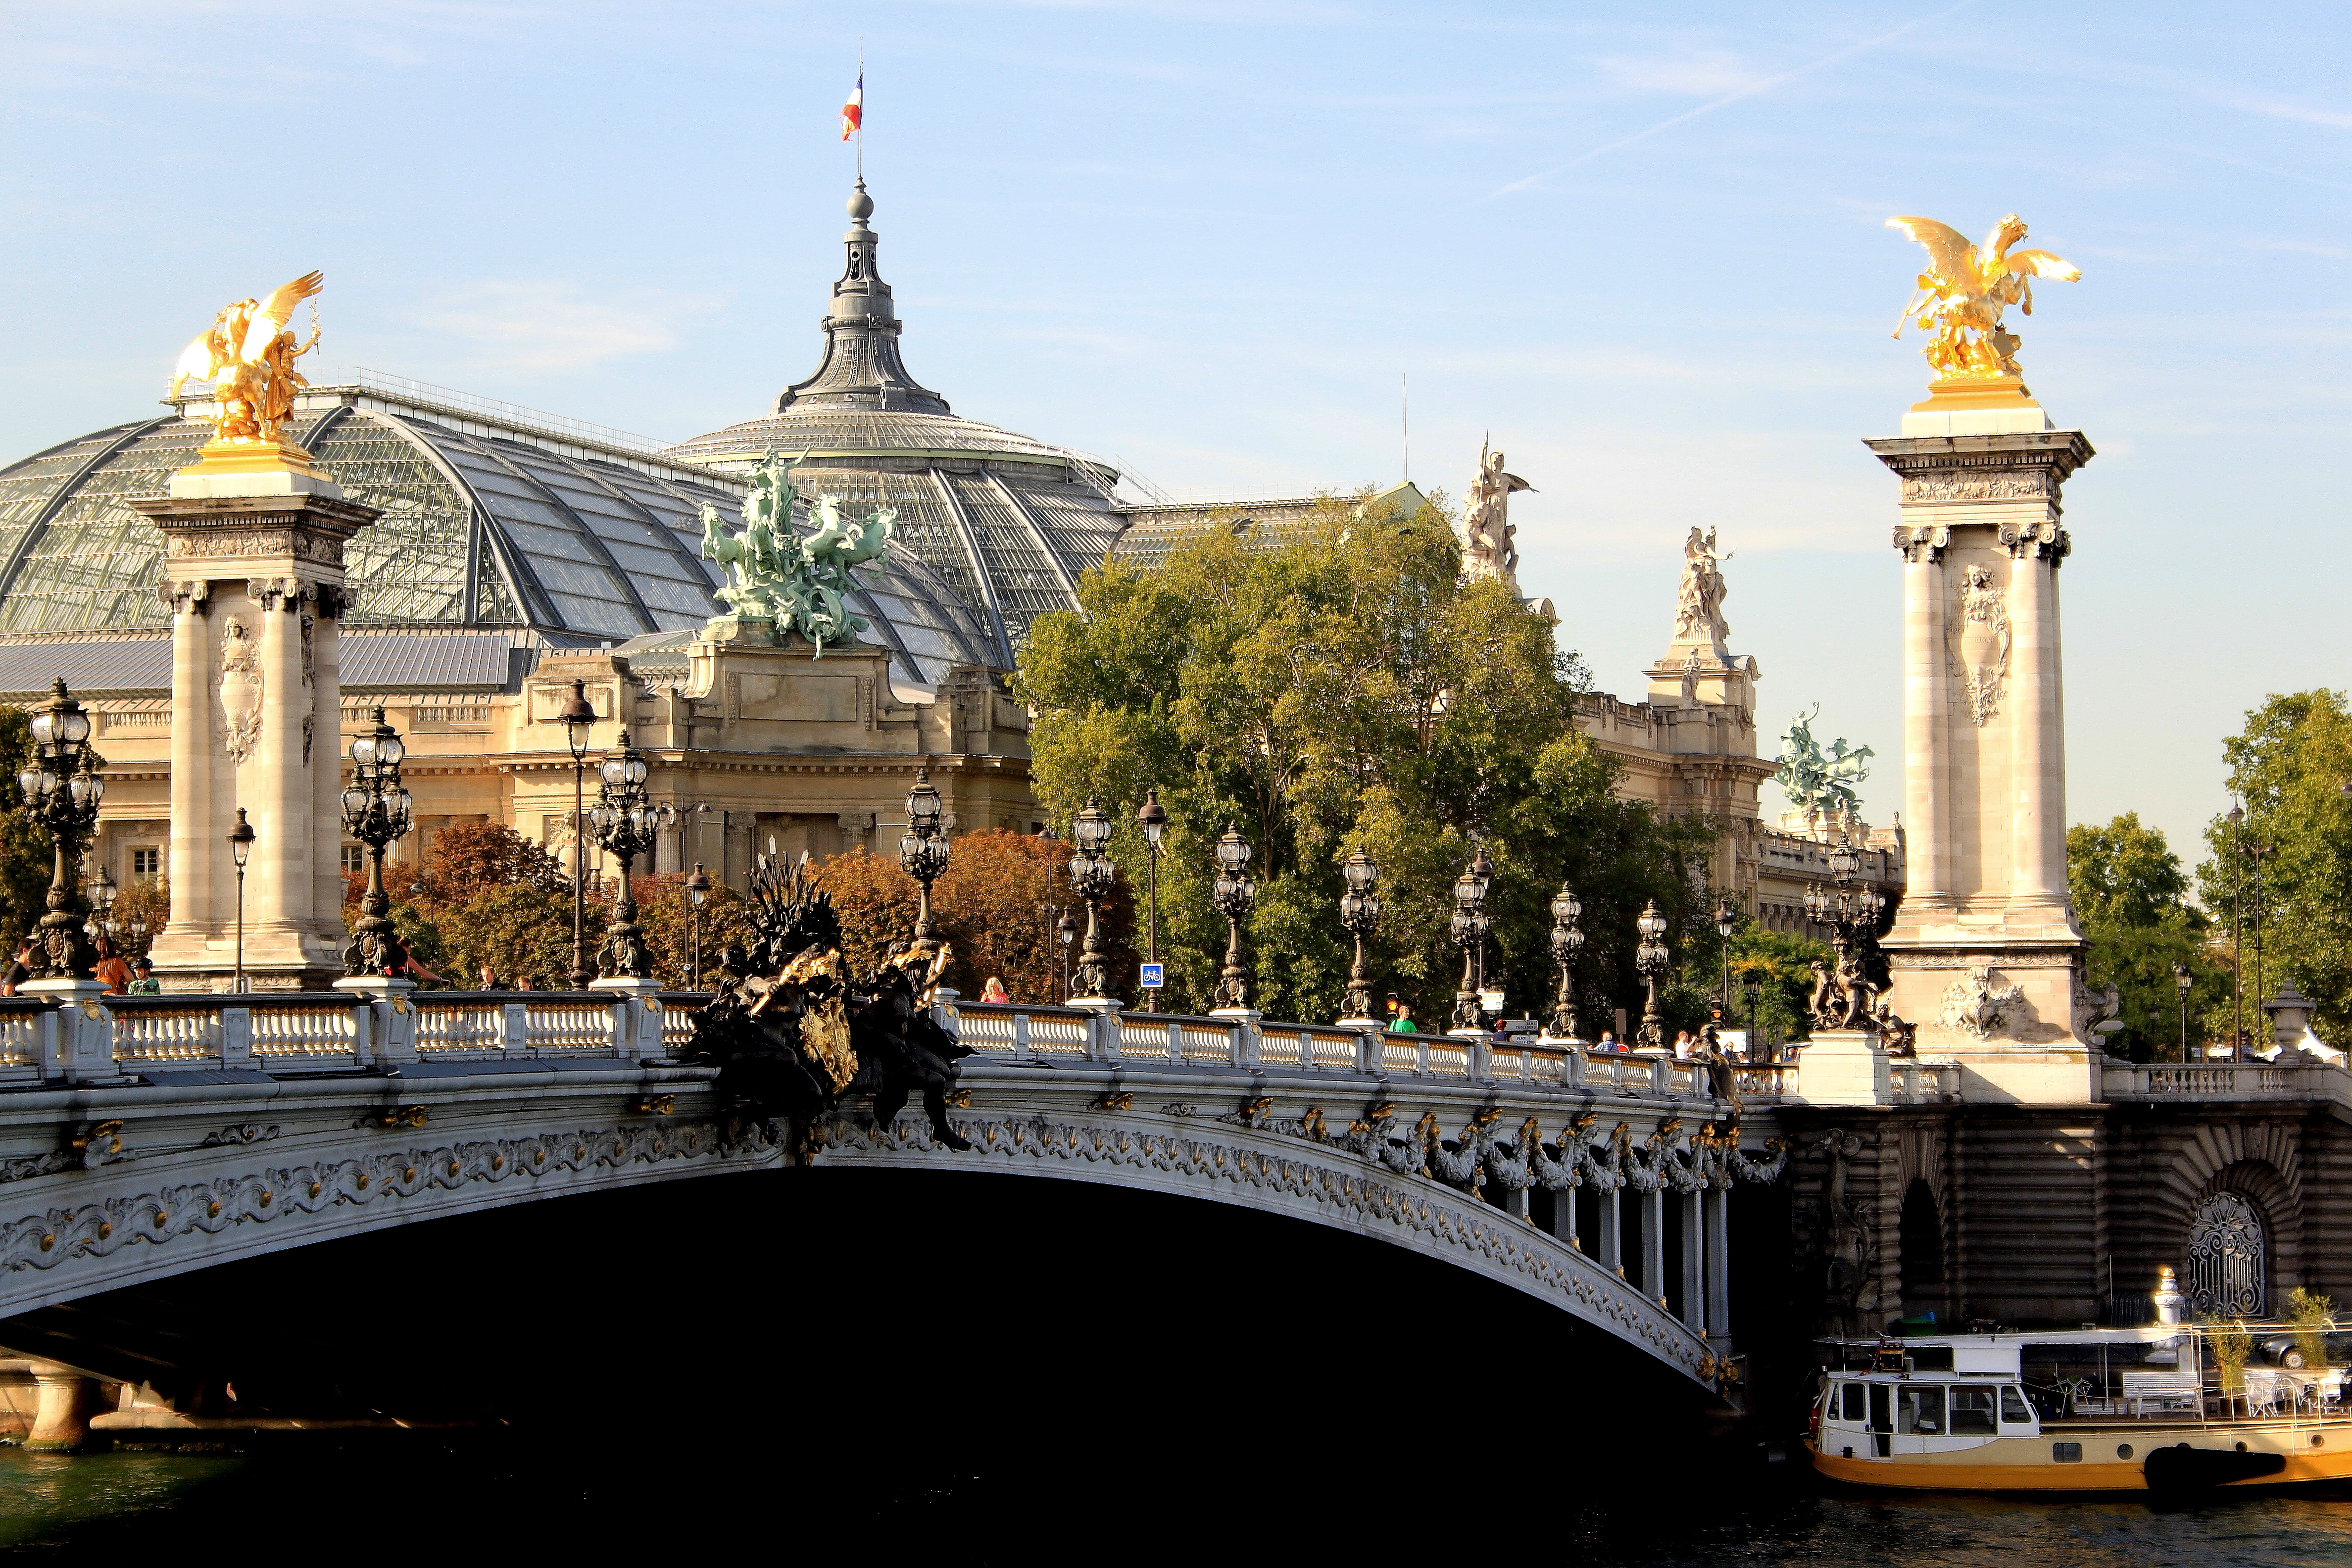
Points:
x=1403 y=1023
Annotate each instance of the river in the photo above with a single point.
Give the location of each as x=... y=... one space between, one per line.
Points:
x=341 y=1506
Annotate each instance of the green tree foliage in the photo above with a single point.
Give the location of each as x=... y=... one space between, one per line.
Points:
x=1772 y=983
x=485 y=896
x=2130 y=894
x=25 y=852
x=1348 y=689
x=2290 y=766
x=669 y=936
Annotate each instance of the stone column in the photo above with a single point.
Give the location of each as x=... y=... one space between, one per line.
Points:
x=1695 y=1273
x=256 y=713
x=68 y=1400
x=1612 y=1231
x=1653 y=1244
x=1717 y=1223
x=1984 y=952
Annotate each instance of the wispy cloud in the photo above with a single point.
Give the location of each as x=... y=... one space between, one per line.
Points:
x=1746 y=90
x=1708 y=73
x=541 y=326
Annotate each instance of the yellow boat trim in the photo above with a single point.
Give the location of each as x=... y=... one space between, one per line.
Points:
x=2318 y=1465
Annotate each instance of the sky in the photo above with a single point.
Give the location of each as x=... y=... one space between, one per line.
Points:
x=1640 y=247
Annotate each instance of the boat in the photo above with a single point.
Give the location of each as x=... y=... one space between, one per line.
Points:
x=2163 y=1407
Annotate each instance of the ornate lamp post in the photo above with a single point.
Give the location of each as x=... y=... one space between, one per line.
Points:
x=2183 y=981
x=1469 y=928
x=102 y=894
x=1153 y=819
x=1567 y=941
x=1090 y=878
x=1360 y=915
x=697 y=893
x=1726 y=920
x=62 y=794
x=625 y=827
x=577 y=718
x=1233 y=896
x=376 y=812
x=240 y=849
x=1852 y=914
x=1066 y=931
x=1651 y=959
x=924 y=850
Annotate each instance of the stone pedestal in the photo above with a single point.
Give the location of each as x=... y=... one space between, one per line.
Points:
x=69 y=1398
x=84 y=1042
x=253 y=572
x=1985 y=953
x=1843 y=1066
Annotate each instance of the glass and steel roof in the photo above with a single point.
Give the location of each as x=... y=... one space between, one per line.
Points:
x=1009 y=522
x=483 y=525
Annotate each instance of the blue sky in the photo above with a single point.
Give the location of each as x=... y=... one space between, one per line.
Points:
x=1640 y=245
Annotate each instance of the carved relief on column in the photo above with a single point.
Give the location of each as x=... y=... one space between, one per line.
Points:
x=240 y=690
x=1980 y=648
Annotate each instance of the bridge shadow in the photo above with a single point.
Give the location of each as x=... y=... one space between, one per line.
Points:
x=894 y=1344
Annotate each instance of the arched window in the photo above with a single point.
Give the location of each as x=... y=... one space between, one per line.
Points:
x=2229 y=1258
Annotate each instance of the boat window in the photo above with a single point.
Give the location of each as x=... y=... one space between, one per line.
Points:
x=1921 y=1409
x=2012 y=1405
x=1972 y=1410
x=1855 y=1400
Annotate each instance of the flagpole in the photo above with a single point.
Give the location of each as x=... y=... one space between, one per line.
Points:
x=861 y=113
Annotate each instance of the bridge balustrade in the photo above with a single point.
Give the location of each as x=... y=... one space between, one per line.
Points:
x=2229 y=1081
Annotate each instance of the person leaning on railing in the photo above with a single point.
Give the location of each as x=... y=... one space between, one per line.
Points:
x=1403 y=1023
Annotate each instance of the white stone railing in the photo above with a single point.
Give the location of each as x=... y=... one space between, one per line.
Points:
x=2227 y=1081
x=1024 y=1031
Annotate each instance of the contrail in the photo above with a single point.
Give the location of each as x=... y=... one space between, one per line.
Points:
x=1729 y=98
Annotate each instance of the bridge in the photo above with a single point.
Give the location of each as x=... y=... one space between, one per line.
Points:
x=142 y=1137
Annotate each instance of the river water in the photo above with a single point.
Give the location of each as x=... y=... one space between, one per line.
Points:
x=342 y=1506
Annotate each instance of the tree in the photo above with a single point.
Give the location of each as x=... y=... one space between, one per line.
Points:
x=148 y=902
x=521 y=931
x=875 y=901
x=26 y=852
x=662 y=917
x=2290 y=764
x=1348 y=689
x=1772 y=983
x=2129 y=893
x=993 y=902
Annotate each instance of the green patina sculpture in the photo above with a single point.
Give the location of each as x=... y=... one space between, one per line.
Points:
x=774 y=576
x=1815 y=782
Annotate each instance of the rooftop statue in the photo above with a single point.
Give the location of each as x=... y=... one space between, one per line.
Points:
x=1698 y=608
x=774 y=576
x=1959 y=299
x=248 y=354
x=1486 y=531
x=1820 y=783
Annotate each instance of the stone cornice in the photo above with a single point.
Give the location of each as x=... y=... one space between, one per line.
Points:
x=2056 y=452
x=201 y=512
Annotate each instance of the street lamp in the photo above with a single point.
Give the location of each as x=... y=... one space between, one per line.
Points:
x=62 y=793
x=625 y=827
x=1651 y=958
x=1066 y=931
x=102 y=893
x=2183 y=981
x=924 y=850
x=1153 y=819
x=697 y=893
x=577 y=718
x=240 y=848
x=1727 y=920
x=376 y=812
x=1851 y=912
x=1233 y=896
x=1360 y=915
x=1090 y=878
x=1567 y=941
x=1468 y=931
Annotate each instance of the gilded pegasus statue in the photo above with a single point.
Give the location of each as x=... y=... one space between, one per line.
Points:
x=1959 y=299
x=248 y=354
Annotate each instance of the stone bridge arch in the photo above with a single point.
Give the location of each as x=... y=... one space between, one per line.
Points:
x=154 y=1181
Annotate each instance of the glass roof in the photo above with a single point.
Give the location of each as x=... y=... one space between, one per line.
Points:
x=477 y=529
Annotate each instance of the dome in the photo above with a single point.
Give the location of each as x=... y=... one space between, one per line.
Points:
x=1007 y=521
x=488 y=522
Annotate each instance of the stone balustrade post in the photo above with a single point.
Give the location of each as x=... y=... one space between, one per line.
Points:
x=517 y=1026
x=1367 y=1051
x=1020 y=1049
x=1572 y=1063
x=85 y=1028
x=1246 y=1036
x=1482 y=1060
x=387 y=1024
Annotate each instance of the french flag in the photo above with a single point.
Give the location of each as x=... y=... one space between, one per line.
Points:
x=854 y=113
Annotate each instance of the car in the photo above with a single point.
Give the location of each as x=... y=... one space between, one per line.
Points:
x=2285 y=1350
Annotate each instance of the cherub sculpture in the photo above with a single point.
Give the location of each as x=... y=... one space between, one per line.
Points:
x=248 y=354
x=1959 y=299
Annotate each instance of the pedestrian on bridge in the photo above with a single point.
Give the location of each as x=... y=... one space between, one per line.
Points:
x=1403 y=1023
x=994 y=990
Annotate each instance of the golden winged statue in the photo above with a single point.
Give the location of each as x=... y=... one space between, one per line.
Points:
x=248 y=354
x=1959 y=299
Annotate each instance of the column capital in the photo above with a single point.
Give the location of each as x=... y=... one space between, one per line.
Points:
x=2036 y=541
x=1924 y=543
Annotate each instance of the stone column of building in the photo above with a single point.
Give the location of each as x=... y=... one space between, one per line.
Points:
x=254 y=573
x=1985 y=951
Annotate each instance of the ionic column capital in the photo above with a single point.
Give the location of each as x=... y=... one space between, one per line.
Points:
x=2036 y=541
x=1923 y=543
x=185 y=596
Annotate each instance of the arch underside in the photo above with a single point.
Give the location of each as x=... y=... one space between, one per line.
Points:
x=77 y=1233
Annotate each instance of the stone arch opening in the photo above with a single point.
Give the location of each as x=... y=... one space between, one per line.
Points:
x=1921 y=1252
x=2228 y=1254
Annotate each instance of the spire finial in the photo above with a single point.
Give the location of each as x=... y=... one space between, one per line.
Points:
x=861 y=205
